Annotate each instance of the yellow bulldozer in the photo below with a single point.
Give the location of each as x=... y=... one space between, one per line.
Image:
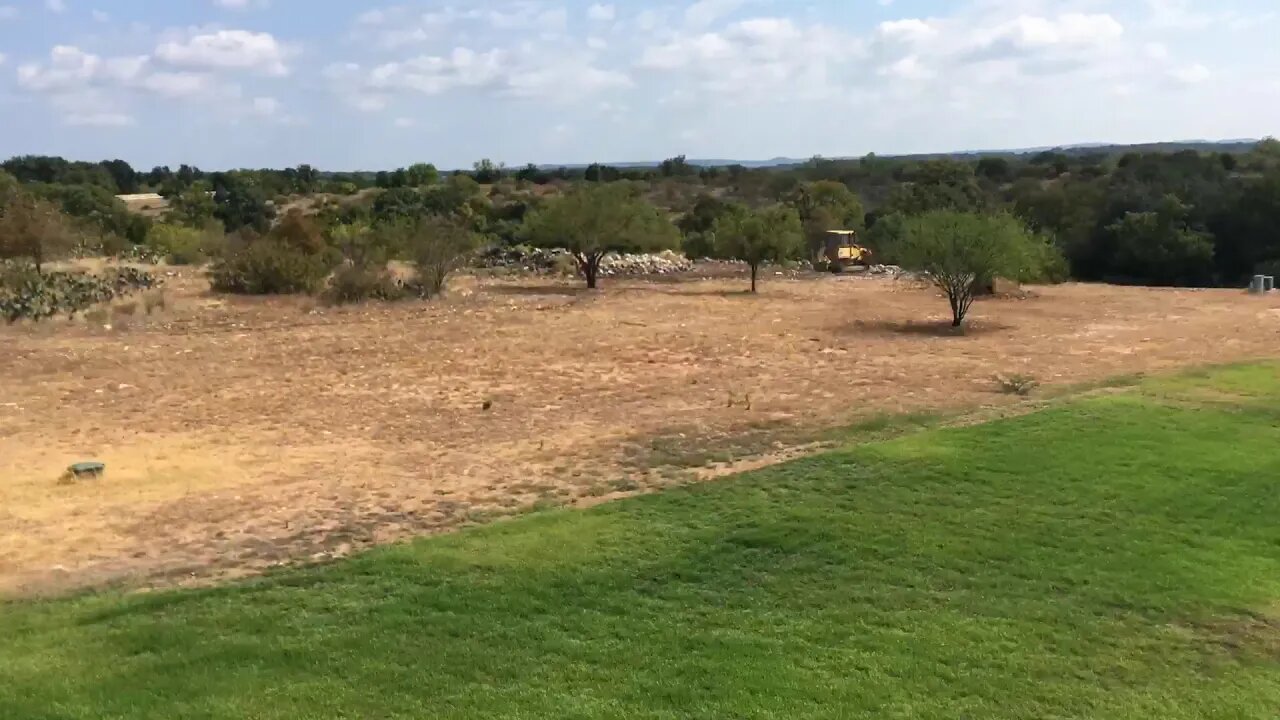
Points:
x=842 y=251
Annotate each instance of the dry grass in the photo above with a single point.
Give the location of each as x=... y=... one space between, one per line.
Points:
x=239 y=433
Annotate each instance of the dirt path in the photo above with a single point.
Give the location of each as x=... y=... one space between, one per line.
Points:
x=242 y=434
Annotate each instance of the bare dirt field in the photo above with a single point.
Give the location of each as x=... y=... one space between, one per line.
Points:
x=242 y=433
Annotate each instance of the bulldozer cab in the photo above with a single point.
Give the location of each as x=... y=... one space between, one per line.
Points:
x=843 y=250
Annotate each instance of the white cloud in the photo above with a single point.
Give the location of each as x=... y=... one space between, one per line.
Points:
x=399 y=26
x=8 y=12
x=433 y=75
x=70 y=67
x=3 y=58
x=100 y=119
x=228 y=50
x=536 y=70
x=524 y=16
x=178 y=84
x=347 y=81
x=266 y=106
x=1026 y=35
x=99 y=16
x=1156 y=51
x=908 y=68
x=369 y=103
x=757 y=58
x=56 y=6
x=907 y=30
x=602 y=13
x=404 y=122
x=87 y=89
x=240 y=4
x=1191 y=74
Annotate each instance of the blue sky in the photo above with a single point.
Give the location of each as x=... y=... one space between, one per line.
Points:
x=347 y=85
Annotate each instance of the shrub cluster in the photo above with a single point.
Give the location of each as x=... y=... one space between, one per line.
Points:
x=268 y=266
x=350 y=264
x=186 y=246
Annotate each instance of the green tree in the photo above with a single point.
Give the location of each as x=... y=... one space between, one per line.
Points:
x=1158 y=247
x=95 y=209
x=994 y=168
x=594 y=219
x=437 y=246
x=241 y=203
x=420 y=174
x=676 y=167
x=773 y=234
x=1248 y=230
x=699 y=223
x=361 y=245
x=964 y=252
x=297 y=231
x=31 y=228
x=487 y=171
x=127 y=180
x=937 y=185
x=193 y=207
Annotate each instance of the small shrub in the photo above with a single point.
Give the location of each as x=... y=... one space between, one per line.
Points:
x=438 y=247
x=97 y=316
x=269 y=267
x=565 y=265
x=112 y=245
x=154 y=300
x=352 y=284
x=1017 y=384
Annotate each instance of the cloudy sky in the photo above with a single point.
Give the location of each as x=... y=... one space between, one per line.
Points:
x=346 y=85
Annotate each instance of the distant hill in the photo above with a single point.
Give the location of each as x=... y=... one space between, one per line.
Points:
x=1227 y=146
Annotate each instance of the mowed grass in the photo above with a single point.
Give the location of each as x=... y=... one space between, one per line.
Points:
x=1111 y=557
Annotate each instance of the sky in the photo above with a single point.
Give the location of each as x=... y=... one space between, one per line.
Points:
x=347 y=85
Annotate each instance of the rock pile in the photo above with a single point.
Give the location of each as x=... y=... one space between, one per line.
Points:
x=663 y=263
x=539 y=260
x=523 y=258
x=888 y=270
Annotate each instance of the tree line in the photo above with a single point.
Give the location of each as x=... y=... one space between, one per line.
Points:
x=1193 y=217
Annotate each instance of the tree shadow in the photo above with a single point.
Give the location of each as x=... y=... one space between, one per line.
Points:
x=540 y=290
x=924 y=328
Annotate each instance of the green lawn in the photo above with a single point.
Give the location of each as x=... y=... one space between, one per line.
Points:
x=1112 y=557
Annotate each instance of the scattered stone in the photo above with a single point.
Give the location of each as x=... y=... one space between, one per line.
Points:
x=546 y=261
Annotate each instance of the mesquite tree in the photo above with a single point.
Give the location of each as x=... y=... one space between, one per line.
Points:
x=756 y=236
x=964 y=252
x=31 y=228
x=592 y=220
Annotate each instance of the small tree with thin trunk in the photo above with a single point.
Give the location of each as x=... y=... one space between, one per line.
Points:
x=437 y=245
x=31 y=228
x=965 y=252
x=592 y=220
x=757 y=236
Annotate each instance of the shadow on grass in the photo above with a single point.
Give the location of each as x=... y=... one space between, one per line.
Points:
x=691 y=447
